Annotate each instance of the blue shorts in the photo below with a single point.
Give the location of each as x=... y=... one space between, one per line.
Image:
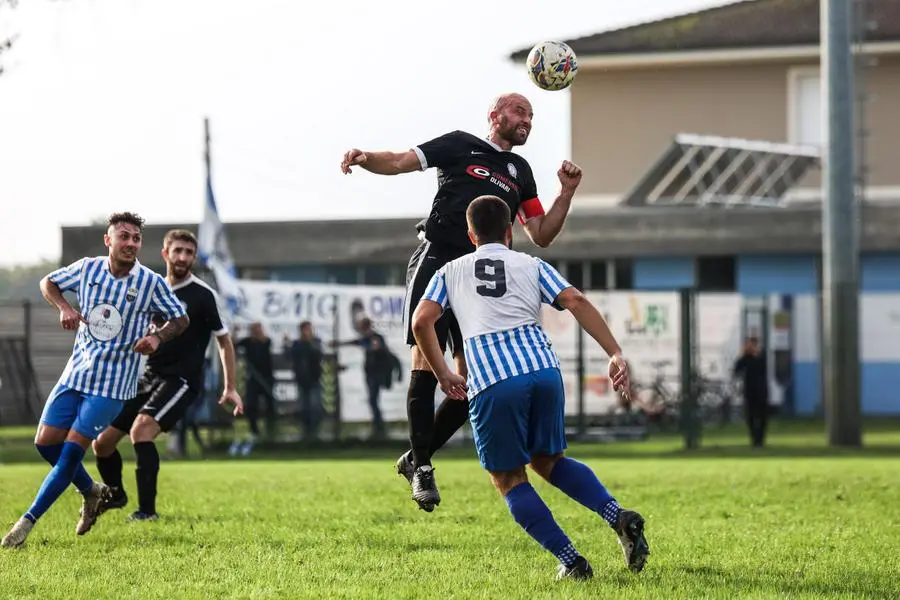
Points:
x=87 y=415
x=518 y=418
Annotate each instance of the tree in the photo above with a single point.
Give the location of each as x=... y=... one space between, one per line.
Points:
x=21 y=282
x=6 y=40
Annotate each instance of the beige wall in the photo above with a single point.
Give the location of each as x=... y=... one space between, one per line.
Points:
x=882 y=82
x=622 y=120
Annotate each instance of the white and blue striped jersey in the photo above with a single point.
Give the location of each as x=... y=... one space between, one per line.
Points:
x=496 y=295
x=118 y=313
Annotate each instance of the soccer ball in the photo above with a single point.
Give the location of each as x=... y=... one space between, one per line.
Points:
x=552 y=66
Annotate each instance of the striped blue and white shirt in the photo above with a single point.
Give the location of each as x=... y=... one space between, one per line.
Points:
x=496 y=295
x=118 y=313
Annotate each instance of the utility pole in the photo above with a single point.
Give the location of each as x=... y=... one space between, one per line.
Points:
x=840 y=239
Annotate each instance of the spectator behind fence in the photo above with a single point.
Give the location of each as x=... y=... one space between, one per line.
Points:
x=751 y=367
x=379 y=368
x=305 y=355
x=259 y=380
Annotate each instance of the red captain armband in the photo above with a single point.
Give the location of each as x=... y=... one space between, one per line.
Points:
x=530 y=209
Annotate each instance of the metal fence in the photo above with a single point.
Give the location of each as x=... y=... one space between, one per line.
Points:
x=34 y=350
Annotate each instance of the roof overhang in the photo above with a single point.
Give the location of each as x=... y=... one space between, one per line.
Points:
x=700 y=170
x=597 y=62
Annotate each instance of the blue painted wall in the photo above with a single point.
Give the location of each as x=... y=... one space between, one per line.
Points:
x=880 y=272
x=663 y=273
x=879 y=382
x=807 y=388
x=797 y=273
x=761 y=274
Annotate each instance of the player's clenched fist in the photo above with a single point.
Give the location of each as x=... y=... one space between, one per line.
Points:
x=569 y=175
x=351 y=158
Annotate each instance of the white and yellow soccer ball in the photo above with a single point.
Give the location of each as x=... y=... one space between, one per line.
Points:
x=552 y=66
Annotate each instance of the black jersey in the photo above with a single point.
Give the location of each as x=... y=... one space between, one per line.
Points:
x=183 y=355
x=468 y=167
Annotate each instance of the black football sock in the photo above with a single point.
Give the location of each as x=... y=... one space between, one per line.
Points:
x=420 y=410
x=110 y=469
x=451 y=415
x=146 y=474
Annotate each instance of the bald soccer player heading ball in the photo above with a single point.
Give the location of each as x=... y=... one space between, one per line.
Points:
x=467 y=166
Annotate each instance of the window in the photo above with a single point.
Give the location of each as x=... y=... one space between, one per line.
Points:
x=397 y=275
x=575 y=274
x=345 y=275
x=376 y=274
x=598 y=275
x=624 y=270
x=804 y=106
x=716 y=274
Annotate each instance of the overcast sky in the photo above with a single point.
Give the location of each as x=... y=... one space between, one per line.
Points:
x=102 y=104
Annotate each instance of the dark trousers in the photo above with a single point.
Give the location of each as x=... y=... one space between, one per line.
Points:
x=189 y=421
x=373 y=385
x=757 y=412
x=254 y=396
x=310 y=399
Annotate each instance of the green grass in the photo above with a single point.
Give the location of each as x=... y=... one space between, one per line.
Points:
x=797 y=520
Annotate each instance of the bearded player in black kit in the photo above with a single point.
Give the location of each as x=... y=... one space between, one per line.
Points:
x=171 y=383
x=467 y=167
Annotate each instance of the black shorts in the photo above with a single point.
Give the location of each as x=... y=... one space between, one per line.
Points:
x=423 y=264
x=166 y=399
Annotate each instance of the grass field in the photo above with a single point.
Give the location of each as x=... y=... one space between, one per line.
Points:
x=797 y=520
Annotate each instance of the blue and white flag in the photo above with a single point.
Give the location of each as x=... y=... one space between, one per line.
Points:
x=216 y=256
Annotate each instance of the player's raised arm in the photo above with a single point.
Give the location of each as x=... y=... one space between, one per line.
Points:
x=436 y=152
x=544 y=228
x=381 y=163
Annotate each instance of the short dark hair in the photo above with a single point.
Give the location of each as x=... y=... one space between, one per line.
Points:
x=182 y=235
x=304 y=324
x=488 y=217
x=125 y=217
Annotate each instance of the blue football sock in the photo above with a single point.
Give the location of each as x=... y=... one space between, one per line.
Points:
x=51 y=454
x=57 y=480
x=579 y=482
x=535 y=518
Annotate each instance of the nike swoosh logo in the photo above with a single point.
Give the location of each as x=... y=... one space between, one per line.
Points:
x=477 y=152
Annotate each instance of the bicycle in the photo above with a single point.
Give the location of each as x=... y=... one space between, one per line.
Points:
x=658 y=402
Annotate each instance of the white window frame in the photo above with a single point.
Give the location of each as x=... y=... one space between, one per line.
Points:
x=794 y=75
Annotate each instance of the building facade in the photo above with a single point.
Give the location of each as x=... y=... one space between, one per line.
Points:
x=747 y=71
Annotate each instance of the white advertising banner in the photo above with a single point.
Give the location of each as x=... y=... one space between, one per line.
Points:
x=648 y=329
x=647 y=325
x=879 y=325
x=719 y=334
x=281 y=306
